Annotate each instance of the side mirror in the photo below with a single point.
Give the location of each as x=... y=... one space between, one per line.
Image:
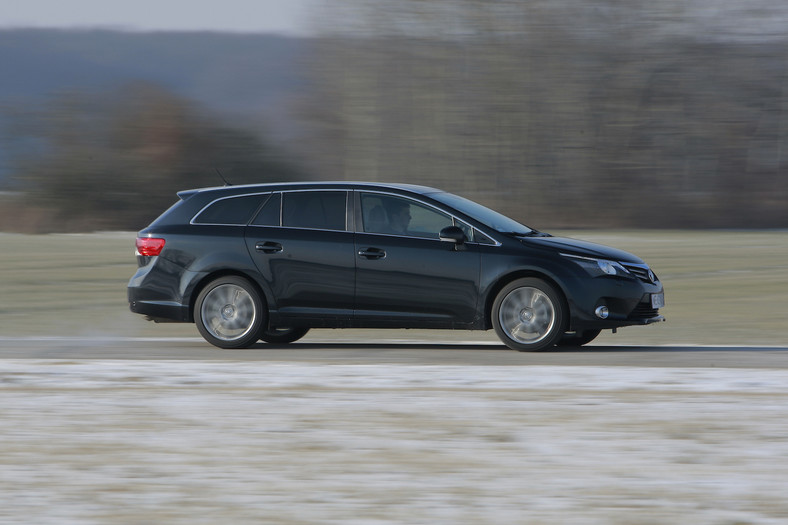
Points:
x=454 y=235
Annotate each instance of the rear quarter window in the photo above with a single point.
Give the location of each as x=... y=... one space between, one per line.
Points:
x=232 y=210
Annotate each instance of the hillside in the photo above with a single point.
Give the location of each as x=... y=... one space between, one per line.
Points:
x=243 y=76
x=228 y=72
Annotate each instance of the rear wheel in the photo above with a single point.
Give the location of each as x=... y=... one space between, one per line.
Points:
x=229 y=313
x=578 y=338
x=283 y=336
x=529 y=315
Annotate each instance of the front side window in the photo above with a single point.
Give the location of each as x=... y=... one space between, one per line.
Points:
x=321 y=210
x=400 y=216
x=231 y=211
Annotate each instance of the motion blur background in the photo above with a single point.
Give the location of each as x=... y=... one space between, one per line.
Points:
x=597 y=117
x=560 y=113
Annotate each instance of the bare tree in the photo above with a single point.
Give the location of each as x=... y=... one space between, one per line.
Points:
x=115 y=159
x=562 y=112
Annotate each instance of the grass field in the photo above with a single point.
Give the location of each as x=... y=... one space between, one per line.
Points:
x=721 y=287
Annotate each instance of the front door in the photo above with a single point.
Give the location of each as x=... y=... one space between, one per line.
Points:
x=406 y=276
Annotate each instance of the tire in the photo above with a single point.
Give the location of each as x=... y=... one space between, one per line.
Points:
x=578 y=338
x=283 y=336
x=529 y=315
x=229 y=313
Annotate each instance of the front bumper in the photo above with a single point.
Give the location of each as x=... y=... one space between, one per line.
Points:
x=628 y=303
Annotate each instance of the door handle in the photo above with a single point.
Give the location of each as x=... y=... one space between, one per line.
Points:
x=372 y=253
x=268 y=247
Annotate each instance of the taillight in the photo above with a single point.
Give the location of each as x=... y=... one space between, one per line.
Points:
x=149 y=246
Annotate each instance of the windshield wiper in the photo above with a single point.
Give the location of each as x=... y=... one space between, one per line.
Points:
x=532 y=233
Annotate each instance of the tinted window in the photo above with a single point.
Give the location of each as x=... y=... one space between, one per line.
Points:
x=323 y=210
x=233 y=210
x=472 y=233
x=400 y=216
x=481 y=238
x=491 y=218
x=269 y=213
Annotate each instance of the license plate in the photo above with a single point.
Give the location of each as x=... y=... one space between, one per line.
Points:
x=657 y=300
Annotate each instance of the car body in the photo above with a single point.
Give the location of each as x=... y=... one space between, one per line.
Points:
x=271 y=261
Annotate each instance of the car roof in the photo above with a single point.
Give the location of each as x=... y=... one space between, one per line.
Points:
x=283 y=186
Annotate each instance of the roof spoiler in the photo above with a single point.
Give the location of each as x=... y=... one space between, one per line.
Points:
x=184 y=195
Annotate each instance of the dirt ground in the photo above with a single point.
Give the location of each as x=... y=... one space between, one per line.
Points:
x=120 y=442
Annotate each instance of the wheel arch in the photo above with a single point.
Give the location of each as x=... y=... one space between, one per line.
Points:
x=502 y=281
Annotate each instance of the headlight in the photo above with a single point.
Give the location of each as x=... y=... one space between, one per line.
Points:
x=598 y=267
x=611 y=267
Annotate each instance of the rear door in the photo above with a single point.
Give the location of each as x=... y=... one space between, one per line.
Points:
x=301 y=244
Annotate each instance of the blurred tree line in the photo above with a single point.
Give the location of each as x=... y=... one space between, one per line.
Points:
x=114 y=159
x=559 y=112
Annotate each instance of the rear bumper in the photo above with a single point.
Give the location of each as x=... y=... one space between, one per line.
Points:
x=156 y=290
x=160 y=311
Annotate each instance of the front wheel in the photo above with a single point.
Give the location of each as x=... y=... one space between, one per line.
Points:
x=529 y=315
x=229 y=313
x=283 y=336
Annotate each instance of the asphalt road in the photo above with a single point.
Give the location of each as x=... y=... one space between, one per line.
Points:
x=396 y=352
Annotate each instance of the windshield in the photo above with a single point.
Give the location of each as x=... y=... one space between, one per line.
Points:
x=485 y=215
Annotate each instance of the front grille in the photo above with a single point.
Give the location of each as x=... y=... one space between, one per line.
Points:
x=643 y=311
x=641 y=271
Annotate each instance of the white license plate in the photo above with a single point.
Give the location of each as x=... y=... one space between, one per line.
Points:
x=657 y=300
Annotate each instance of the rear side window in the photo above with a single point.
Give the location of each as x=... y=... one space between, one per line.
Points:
x=321 y=210
x=232 y=210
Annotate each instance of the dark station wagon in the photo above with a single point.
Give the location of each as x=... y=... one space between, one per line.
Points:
x=270 y=261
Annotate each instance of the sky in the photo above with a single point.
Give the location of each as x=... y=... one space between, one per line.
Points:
x=246 y=16
x=754 y=19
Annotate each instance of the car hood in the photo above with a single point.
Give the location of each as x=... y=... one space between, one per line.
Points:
x=581 y=248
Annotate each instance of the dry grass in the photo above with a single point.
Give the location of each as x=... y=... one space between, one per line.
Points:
x=721 y=287
x=69 y=284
